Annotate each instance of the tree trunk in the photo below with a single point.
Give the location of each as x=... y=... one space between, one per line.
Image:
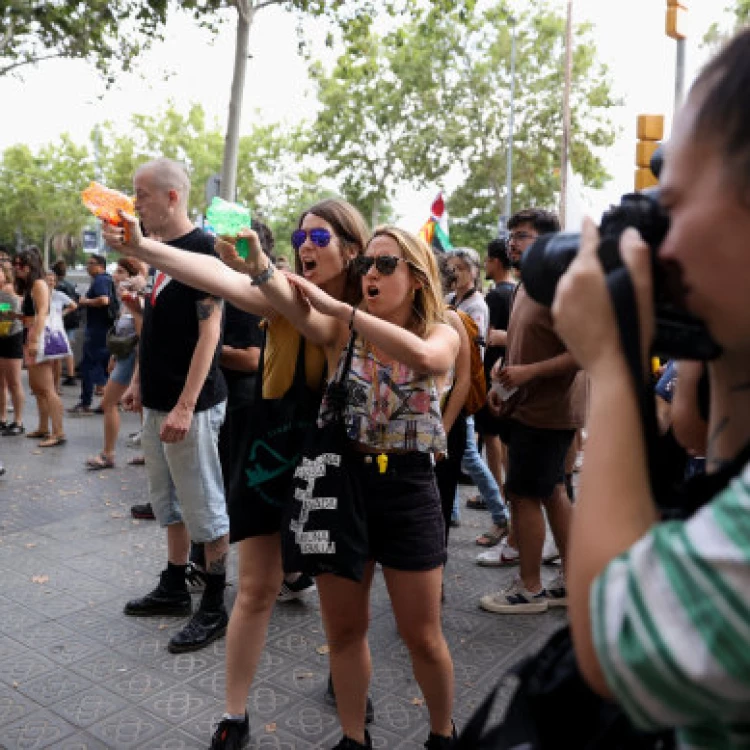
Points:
x=245 y=15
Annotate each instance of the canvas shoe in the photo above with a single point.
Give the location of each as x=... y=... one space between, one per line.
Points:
x=291 y=591
x=515 y=600
x=500 y=556
x=557 y=592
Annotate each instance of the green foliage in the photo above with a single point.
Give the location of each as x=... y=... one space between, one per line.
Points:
x=739 y=13
x=109 y=33
x=481 y=65
x=40 y=192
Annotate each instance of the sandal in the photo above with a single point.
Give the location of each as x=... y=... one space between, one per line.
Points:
x=492 y=537
x=102 y=461
x=137 y=461
x=37 y=434
x=52 y=441
x=476 y=503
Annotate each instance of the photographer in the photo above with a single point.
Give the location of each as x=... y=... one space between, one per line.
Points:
x=660 y=613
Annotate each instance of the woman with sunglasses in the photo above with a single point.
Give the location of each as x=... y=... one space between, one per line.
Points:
x=30 y=283
x=403 y=357
x=329 y=236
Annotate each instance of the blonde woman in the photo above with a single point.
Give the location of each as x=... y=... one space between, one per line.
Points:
x=402 y=363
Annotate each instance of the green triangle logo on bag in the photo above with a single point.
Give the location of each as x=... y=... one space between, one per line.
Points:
x=257 y=473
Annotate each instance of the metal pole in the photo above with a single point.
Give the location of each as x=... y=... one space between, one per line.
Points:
x=679 y=74
x=566 y=115
x=509 y=165
x=98 y=177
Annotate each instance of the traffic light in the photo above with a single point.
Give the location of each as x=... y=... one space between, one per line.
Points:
x=650 y=130
x=676 y=22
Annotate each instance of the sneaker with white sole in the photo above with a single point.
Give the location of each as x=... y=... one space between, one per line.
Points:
x=549 y=552
x=557 y=592
x=515 y=600
x=134 y=440
x=500 y=556
x=296 y=590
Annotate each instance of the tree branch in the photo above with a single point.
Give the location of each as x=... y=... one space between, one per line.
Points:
x=33 y=61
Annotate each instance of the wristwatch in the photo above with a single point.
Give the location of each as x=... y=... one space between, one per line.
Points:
x=264 y=276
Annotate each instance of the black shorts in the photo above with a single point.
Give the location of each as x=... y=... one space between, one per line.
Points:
x=486 y=423
x=404 y=520
x=536 y=459
x=11 y=347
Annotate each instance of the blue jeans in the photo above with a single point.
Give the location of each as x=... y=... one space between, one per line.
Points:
x=185 y=484
x=474 y=465
x=93 y=363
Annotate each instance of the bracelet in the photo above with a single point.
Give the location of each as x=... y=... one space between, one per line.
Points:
x=351 y=320
x=264 y=276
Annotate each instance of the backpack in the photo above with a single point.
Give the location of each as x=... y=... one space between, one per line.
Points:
x=477 y=396
x=72 y=319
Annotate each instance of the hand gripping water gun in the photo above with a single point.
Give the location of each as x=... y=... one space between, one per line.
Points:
x=104 y=203
x=227 y=219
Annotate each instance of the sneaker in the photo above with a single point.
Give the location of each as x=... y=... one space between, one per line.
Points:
x=291 y=591
x=69 y=380
x=330 y=699
x=231 y=734
x=80 y=410
x=144 y=511
x=549 y=552
x=455 y=522
x=515 y=600
x=347 y=743
x=134 y=440
x=2 y=470
x=205 y=627
x=557 y=592
x=13 y=429
x=163 y=601
x=500 y=556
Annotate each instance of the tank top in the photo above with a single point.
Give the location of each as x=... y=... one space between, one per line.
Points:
x=389 y=406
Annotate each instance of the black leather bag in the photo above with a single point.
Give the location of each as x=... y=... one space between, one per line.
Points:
x=121 y=346
x=324 y=528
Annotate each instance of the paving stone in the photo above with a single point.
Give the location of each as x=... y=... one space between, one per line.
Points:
x=77 y=674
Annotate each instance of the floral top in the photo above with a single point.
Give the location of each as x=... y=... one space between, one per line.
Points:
x=389 y=407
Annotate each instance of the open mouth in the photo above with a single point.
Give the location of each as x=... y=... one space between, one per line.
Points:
x=308 y=266
x=372 y=292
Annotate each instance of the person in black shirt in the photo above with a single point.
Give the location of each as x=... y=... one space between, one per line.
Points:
x=183 y=393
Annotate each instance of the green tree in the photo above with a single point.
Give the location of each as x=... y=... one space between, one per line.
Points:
x=381 y=122
x=738 y=16
x=481 y=66
x=109 y=33
x=40 y=192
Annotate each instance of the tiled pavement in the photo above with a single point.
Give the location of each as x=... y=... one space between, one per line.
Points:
x=76 y=673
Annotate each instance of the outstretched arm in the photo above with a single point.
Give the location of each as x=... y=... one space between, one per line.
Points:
x=198 y=271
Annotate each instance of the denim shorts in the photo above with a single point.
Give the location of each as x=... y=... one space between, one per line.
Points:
x=184 y=479
x=536 y=459
x=404 y=518
x=123 y=370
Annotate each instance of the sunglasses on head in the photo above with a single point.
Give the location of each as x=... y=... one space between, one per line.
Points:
x=384 y=264
x=319 y=237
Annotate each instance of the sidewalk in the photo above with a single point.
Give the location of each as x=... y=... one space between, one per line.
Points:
x=77 y=673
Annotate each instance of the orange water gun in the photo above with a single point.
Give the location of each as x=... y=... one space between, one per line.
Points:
x=104 y=203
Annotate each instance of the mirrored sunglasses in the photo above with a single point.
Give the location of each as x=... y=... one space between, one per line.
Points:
x=319 y=237
x=384 y=264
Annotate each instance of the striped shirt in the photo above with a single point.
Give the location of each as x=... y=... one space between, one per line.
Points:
x=671 y=624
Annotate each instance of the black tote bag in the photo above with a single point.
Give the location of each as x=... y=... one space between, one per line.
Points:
x=278 y=429
x=325 y=528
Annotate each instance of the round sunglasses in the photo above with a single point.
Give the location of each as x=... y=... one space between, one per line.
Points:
x=319 y=237
x=384 y=264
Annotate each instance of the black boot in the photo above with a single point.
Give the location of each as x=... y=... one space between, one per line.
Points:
x=331 y=701
x=347 y=743
x=208 y=623
x=169 y=599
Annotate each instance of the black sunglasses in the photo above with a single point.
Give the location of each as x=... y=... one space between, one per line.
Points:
x=319 y=237
x=384 y=264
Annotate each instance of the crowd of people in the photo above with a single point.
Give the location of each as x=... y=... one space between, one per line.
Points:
x=377 y=329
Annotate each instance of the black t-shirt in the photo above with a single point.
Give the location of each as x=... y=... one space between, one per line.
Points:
x=73 y=319
x=170 y=335
x=241 y=330
x=498 y=301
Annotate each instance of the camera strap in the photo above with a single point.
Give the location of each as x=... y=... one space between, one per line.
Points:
x=626 y=311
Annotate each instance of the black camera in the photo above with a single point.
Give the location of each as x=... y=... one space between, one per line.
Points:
x=679 y=334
